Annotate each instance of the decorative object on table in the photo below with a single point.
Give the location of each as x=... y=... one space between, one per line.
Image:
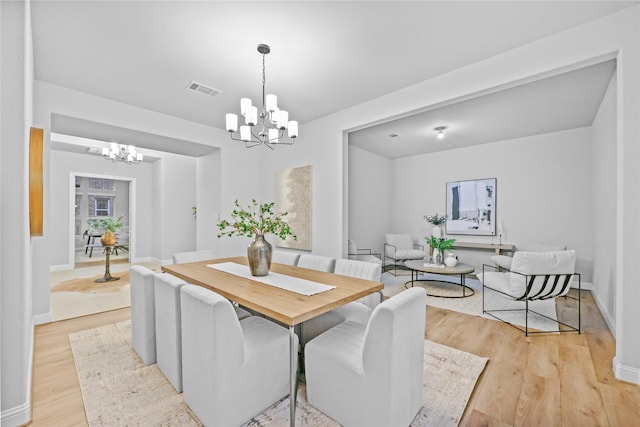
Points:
x=436 y=221
x=256 y=220
x=266 y=126
x=450 y=259
x=194 y=210
x=439 y=245
x=108 y=226
x=471 y=207
x=293 y=195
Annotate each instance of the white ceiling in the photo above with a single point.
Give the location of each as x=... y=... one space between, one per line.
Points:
x=325 y=56
x=566 y=101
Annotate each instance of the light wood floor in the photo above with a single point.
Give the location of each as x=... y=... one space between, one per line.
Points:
x=546 y=380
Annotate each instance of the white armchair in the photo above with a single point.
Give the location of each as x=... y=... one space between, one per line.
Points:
x=362 y=254
x=533 y=276
x=400 y=248
x=232 y=369
x=504 y=261
x=371 y=375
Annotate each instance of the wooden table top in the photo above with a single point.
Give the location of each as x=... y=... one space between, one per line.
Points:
x=284 y=306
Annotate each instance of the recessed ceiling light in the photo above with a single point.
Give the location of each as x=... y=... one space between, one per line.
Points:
x=440 y=130
x=394 y=135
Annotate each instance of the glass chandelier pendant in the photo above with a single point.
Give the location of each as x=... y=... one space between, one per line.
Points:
x=266 y=126
x=122 y=153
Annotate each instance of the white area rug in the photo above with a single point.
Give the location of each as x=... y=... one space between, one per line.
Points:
x=473 y=304
x=119 y=390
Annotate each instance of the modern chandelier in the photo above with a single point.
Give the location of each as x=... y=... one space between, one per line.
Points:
x=122 y=153
x=266 y=126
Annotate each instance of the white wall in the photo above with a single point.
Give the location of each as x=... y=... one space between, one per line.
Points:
x=604 y=206
x=16 y=246
x=543 y=191
x=63 y=164
x=371 y=188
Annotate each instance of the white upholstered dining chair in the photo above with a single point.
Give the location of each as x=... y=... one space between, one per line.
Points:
x=232 y=369
x=316 y=262
x=168 y=329
x=285 y=257
x=143 y=313
x=357 y=311
x=193 y=256
x=371 y=375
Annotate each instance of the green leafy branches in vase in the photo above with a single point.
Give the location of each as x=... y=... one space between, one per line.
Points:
x=436 y=220
x=108 y=226
x=439 y=245
x=256 y=220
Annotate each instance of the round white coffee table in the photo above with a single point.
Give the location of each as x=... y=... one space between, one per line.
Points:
x=418 y=266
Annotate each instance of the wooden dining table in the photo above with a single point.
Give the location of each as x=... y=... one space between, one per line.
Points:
x=287 y=307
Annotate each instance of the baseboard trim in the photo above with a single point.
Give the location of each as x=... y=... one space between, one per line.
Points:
x=40 y=319
x=609 y=320
x=586 y=286
x=61 y=267
x=626 y=373
x=21 y=414
x=17 y=416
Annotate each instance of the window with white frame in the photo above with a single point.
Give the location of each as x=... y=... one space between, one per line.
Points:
x=101 y=205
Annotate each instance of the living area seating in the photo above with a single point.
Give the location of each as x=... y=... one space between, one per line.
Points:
x=533 y=276
x=504 y=261
x=362 y=254
x=400 y=248
x=232 y=369
x=371 y=375
x=357 y=311
x=143 y=313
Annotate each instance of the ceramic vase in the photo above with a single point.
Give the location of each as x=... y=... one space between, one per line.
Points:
x=436 y=231
x=450 y=260
x=108 y=238
x=259 y=255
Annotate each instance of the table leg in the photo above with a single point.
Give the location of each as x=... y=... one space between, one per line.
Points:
x=462 y=283
x=293 y=378
x=107 y=274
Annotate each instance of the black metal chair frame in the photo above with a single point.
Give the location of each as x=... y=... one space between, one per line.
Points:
x=395 y=260
x=560 y=282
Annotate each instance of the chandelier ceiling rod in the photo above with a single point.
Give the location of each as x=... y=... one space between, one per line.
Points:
x=273 y=121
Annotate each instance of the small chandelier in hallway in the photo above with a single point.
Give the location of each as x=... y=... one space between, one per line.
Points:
x=267 y=126
x=122 y=153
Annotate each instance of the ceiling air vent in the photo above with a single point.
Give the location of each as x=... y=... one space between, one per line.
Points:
x=199 y=87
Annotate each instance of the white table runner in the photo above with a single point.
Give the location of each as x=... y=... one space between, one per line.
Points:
x=282 y=281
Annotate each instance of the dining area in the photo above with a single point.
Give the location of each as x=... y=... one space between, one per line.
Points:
x=235 y=344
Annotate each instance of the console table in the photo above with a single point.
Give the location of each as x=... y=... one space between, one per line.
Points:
x=497 y=247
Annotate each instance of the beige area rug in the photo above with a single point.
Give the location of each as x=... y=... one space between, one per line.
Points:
x=473 y=304
x=74 y=293
x=119 y=390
